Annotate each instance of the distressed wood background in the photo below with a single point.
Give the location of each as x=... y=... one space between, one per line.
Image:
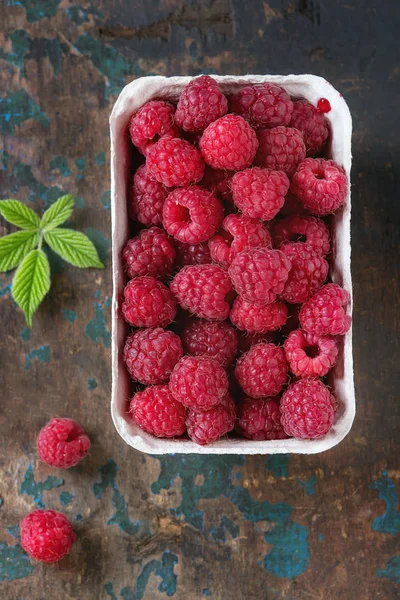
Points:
x=285 y=527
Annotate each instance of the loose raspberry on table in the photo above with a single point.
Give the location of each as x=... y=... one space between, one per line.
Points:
x=260 y=274
x=229 y=143
x=148 y=303
x=307 y=409
x=198 y=382
x=263 y=105
x=192 y=215
x=260 y=420
x=215 y=340
x=147 y=198
x=262 y=371
x=309 y=271
x=206 y=427
x=218 y=182
x=192 y=254
x=203 y=290
x=303 y=228
x=310 y=355
x=260 y=193
x=237 y=233
x=152 y=121
x=258 y=319
x=312 y=124
x=151 y=354
x=280 y=149
x=151 y=252
x=324 y=313
x=46 y=535
x=320 y=184
x=157 y=412
x=200 y=103
x=62 y=443
x=175 y=162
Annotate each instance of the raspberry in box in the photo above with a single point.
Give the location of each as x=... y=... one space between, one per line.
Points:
x=133 y=96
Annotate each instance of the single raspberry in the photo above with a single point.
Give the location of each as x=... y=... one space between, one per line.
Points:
x=280 y=149
x=192 y=215
x=258 y=319
x=151 y=354
x=247 y=340
x=206 y=427
x=310 y=355
x=264 y=105
x=218 y=182
x=200 y=103
x=215 y=340
x=203 y=291
x=320 y=184
x=46 y=535
x=156 y=411
x=259 y=274
x=152 y=121
x=62 y=443
x=192 y=254
x=149 y=253
x=198 y=382
x=307 y=409
x=229 y=143
x=148 y=303
x=260 y=420
x=175 y=162
x=292 y=206
x=303 y=228
x=309 y=271
x=260 y=193
x=324 y=313
x=238 y=233
x=147 y=198
x=312 y=124
x=262 y=371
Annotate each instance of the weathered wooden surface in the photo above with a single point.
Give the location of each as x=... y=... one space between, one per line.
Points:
x=294 y=527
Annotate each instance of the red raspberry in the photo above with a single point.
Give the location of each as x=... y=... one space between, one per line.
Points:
x=258 y=319
x=262 y=371
x=238 y=233
x=247 y=341
x=175 y=162
x=215 y=340
x=206 y=427
x=264 y=105
x=46 y=535
x=312 y=124
x=151 y=354
x=150 y=253
x=260 y=420
x=320 y=184
x=147 y=198
x=200 y=103
x=309 y=271
x=280 y=149
x=192 y=215
x=259 y=274
x=156 y=411
x=198 y=382
x=324 y=313
x=218 y=182
x=203 y=291
x=148 y=303
x=192 y=254
x=303 y=228
x=292 y=205
x=62 y=443
x=260 y=193
x=307 y=409
x=152 y=121
x=229 y=143
x=310 y=355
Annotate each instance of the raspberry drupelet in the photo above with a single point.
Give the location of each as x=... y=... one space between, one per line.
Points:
x=156 y=411
x=46 y=535
x=260 y=419
x=309 y=271
x=320 y=185
x=148 y=303
x=215 y=340
x=192 y=254
x=258 y=319
x=310 y=355
x=262 y=371
x=280 y=149
x=62 y=443
x=198 y=382
x=175 y=162
x=152 y=121
x=263 y=105
x=150 y=253
x=324 y=313
x=200 y=103
x=260 y=193
x=303 y=228
x=208 y=426
x=147 y=198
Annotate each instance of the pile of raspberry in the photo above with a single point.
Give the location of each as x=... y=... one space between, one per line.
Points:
x=234 y=322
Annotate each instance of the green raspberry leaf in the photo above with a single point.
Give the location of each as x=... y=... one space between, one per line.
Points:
x=31 y=283
x=14 y=247
x=19 y=214
x=74 y=247
x=58 y=212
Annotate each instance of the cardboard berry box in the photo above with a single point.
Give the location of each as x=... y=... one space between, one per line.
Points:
x=132 y=97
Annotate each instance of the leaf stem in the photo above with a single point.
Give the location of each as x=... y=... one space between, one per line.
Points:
x=40 y=240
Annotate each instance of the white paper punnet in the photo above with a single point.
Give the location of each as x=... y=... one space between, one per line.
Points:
x=131 y=98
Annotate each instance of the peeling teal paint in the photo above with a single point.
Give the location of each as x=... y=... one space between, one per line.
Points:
x=81 y=163
x=105 y=199
x=37 y=9
x=290 y=555
x=60 y=163
x=23 y=176
x=54 y=50
x=389 y=522
x=219 y=533
x=70 y=315
x=80 y=15
x=17 y=107
x=108 y=302
x=96 y=329
x=110 y=590
x=35 y=489
x=66 y=498
x=206 y=592
x=25 y=334
x=392 y=570
x=100 y=159
x=309 y=485
x=4 y=160
x=92 y=384
x=20 y=44
x=14 y=563
x=78 y=517
x=102 y=243
x=43 y=354
x=320 y=537
x=79 y=202
x=4 y=290
x=278 y=465
x=14 y=531
x=97 y=294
